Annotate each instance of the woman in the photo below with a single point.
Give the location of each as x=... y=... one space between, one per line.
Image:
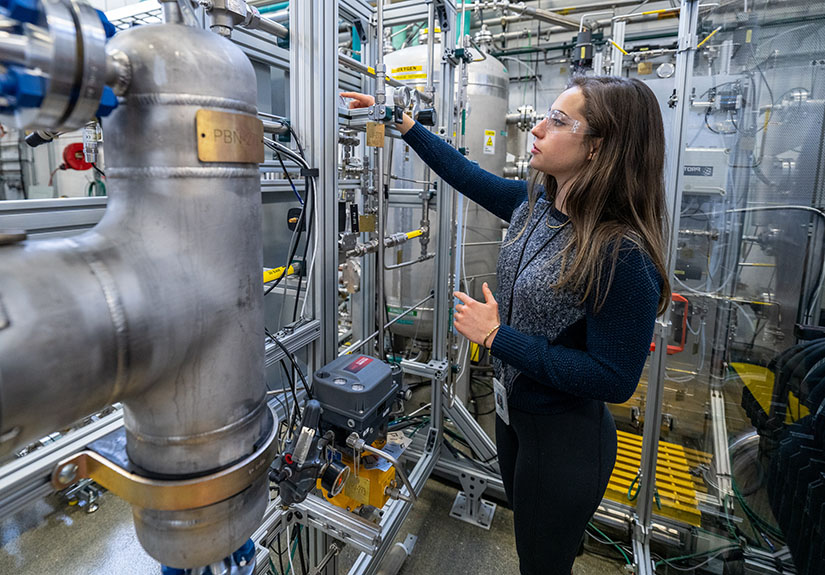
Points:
x=581 y=279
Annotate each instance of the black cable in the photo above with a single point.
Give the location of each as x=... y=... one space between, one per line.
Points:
x=463 y=441
x=289 y=178
x=294 y=361
x=458 y=453
x=301 y=552
x=294 y=241
x=297 y=141
x=291 y=381
x=707 y=124
x=288 y=375
x=280 y=553
x=98 y=170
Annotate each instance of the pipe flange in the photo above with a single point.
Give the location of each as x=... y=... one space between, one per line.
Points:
x=92 y=38
x=59 y=61
x=166 y=495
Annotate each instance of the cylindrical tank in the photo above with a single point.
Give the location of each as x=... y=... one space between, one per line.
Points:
x=485 y=139
x=132 y=315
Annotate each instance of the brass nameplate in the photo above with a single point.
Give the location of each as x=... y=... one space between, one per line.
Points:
x=375 y=135
x=229 y=137
x=367 y=223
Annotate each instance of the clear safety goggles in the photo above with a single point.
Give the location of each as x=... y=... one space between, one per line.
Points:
x=557 y=122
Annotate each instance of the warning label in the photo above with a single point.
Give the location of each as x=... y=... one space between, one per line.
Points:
x=489 y=141
x=408 y=73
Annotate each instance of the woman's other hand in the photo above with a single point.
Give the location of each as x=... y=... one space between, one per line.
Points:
x=477 y=320
x=359 y=100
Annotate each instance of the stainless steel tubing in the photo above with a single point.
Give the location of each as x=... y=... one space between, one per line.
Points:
x=360 y=445
x=354 y=64
x=535 y=13
x=160 y=305
x=418 y=260
x=360 y=343
x=430 y=50
x=272 y=27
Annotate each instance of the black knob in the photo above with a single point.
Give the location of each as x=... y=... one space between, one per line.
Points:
x=427 y=117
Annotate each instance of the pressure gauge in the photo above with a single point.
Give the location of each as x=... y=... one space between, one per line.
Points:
x=401 y=96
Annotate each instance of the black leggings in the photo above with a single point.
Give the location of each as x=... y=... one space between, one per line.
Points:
x=555 y=470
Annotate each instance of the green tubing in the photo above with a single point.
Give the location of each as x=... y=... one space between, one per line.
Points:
x=273 y=7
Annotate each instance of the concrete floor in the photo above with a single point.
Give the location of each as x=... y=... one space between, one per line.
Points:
x=50 y=538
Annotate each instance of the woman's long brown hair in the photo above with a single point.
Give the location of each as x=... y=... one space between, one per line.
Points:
x=619 y=194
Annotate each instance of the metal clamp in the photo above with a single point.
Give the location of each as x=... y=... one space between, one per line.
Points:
x=164 y=494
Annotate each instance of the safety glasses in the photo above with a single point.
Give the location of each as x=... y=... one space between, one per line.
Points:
x=558 y=122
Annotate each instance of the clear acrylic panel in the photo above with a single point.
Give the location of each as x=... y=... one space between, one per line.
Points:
x=741 y=465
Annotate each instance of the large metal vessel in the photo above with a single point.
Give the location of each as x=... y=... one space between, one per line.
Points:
x=485 y=139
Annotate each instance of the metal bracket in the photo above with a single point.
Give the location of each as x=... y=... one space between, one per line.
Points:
x=441 y=15
x=434 y=369
x=338 y=523
x=469 y=506
x=151 y=493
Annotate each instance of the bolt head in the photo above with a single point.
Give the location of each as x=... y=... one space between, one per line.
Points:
x=67 y=474
x=25 y=89
x=23 y=10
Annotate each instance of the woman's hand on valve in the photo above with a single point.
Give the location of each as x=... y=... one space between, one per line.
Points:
x=477 y=321
x=358 y=100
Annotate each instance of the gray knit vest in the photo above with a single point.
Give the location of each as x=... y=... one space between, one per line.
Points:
x=537 y=309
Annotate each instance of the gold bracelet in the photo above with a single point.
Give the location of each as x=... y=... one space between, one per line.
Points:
x=489 y=333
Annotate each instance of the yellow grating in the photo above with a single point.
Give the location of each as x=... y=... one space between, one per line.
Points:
x=676 y=486
x=759 y=380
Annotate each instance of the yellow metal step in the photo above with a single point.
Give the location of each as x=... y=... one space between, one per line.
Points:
x=676 y=486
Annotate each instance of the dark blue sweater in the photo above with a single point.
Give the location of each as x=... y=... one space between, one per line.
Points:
x=589 y=355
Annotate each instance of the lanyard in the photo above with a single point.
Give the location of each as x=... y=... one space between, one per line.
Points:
x=519 y=268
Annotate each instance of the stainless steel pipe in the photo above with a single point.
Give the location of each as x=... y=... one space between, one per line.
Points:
x=160 y=305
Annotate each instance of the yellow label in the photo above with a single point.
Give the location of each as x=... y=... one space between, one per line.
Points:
x=584 y=51
x=644 y=68
x=407 y=69
x=358 y=488
x=229 y=137
x=400 y=77
x=489 y=132
x=748 y=36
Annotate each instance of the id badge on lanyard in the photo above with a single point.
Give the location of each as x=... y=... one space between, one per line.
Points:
x=500 y=393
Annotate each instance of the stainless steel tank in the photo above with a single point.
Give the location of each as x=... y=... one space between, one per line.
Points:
x=486 y=140
x=159 y=306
